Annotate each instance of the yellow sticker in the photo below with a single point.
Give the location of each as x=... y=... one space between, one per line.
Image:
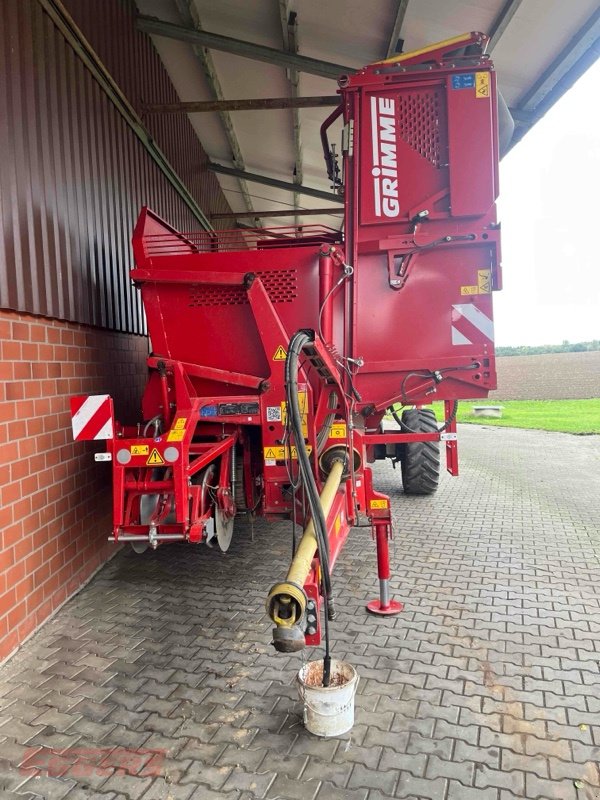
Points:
x=484 y=281
x=303 y=403
x=139 y=449
x=280 y=354
x=378 y=504
x=175 y=436
x=482 y=84
x=278 y=453
x=337 y=524
x=338 y=431
x=179 y=423
x=155 y=458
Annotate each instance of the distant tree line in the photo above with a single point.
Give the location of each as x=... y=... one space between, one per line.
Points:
x=565 y=347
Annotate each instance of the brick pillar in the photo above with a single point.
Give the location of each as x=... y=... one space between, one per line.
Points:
x=55 y=502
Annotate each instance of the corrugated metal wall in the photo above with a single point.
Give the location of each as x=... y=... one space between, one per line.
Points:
x=73 y=174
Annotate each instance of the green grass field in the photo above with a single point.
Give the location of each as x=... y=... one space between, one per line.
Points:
x=568 y=416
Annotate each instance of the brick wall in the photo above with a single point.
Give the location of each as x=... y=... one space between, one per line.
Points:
x=55 y=502
x=549 y=376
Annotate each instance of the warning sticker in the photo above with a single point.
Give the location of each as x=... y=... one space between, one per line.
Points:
x=338 y=431
x=155 y=458
x=303 y=403
x=179 y=423
x=378 y=504
x=139 y=449
x=280 y=354
x=482 y=84
x=175 y=435
x=484 y=281
x=279 y=453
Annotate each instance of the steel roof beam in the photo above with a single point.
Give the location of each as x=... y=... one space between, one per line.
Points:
x=292 y=212
x=570 y=64
x=190 y=16
x=274 y=182
x=397 y=29
x=289 y=30
x=587 y=38
x=502 y=21
x=238 y=47
x=250 y=104
x=522 y=117
x=527 y=120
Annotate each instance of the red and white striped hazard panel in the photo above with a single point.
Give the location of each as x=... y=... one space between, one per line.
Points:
x=470 y=325
x=92 y=417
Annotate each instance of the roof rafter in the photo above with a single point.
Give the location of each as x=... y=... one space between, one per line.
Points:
x=586 y=39
x=397 y=29
x=227 y=44
x=289 y=30
x=292 y=212
x=502 y=21
x=248 y=104
x=190 y=16
x=274 y=182
x=570 y=64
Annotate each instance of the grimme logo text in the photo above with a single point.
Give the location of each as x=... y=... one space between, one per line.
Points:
x=385 y=165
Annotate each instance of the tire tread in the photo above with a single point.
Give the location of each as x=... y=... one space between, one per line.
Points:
x=420 y=464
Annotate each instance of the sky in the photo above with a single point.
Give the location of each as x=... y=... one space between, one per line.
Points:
x=549 y=208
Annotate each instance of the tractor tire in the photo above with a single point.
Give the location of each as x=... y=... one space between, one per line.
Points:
x=420 y=461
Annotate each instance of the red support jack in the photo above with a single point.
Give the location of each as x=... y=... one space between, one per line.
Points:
x=384 y=606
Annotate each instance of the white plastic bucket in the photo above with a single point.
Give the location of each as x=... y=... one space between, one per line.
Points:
x=328 y=710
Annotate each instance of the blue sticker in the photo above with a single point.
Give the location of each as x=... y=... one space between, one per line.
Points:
x=208 y=411
x=465 y=81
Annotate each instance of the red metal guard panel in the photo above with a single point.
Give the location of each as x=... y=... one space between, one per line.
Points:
x=425 y=246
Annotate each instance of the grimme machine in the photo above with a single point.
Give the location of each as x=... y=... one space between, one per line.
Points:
x=279 y=355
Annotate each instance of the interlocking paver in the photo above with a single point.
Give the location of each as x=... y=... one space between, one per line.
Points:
x=258 y=783
x=330 y=792
x=485 y=687
x=409 y=786
x=293 y=789
x=462 y=771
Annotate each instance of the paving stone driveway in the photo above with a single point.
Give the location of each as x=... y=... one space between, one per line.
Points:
x=158 y=681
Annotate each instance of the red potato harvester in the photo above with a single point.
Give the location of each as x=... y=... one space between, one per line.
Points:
x=277 y=353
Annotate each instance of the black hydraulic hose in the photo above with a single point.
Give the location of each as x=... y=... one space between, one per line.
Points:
x=296 y=344
x=451 y=417
x=441 y=429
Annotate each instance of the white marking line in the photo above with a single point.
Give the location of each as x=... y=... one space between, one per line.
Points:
x=375 y=143
x=459 y=338
x=81 y=417
x=106 y=432
x=477 y=318
x=374 y=131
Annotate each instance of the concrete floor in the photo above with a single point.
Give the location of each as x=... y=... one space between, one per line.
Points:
x=158 y=681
